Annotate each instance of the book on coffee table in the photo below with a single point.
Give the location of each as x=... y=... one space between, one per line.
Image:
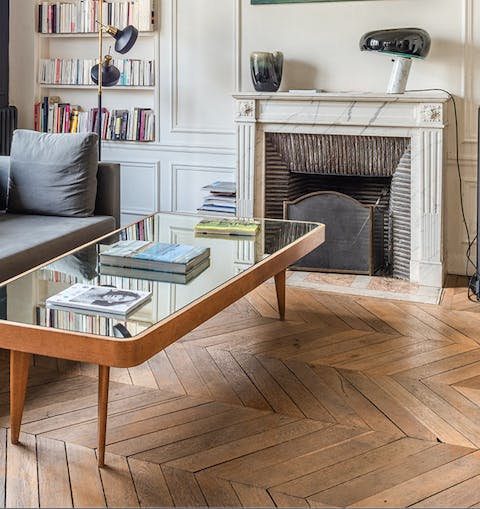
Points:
x=102 y=300
x=157 y=256
x=156 y=275
x=227 y=227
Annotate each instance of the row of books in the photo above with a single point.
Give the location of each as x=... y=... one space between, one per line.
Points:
x=74 y=71
x=136 y=124
x=142 y=230
x=220 y=198
x=69 y=320
x=81 y=16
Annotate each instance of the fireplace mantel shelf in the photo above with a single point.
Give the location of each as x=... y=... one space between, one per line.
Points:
x=408 y=97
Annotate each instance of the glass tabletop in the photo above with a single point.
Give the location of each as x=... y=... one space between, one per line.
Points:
x=162 y=292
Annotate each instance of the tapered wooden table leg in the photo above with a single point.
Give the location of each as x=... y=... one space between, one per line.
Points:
x=103 y=383
x=19 y=366
x=280 y=286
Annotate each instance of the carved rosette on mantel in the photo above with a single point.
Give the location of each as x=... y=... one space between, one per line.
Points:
x=420 y=116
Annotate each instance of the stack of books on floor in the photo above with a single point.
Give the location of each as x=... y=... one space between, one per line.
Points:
x=157 y=261
x=221 y=198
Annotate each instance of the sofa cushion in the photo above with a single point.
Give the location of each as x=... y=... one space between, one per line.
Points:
x=4 y=173
x=53 y=174
x=30 y=240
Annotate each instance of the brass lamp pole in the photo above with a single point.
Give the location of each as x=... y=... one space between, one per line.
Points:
x=105 y=74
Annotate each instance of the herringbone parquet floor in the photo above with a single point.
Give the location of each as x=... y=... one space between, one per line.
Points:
x=350 y=402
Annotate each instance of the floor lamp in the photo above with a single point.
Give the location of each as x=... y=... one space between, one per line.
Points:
x=105 y=74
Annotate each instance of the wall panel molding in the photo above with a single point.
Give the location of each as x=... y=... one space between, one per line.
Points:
x=175 y=126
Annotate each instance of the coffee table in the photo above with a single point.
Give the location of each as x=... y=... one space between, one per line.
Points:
x=238 y=264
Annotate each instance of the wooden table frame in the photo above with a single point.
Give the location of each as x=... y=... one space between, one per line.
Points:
x=24 y=340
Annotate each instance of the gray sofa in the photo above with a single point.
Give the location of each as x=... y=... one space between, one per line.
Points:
x=27 y=240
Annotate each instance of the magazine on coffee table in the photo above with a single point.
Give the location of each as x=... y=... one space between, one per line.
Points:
x=101 y=300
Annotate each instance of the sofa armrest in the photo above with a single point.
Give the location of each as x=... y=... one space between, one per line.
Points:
x=4 y=173
x=108 y=191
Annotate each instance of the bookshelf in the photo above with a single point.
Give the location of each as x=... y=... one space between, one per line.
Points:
x=72 y=85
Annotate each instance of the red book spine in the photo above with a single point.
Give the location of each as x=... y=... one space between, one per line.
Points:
x=142 y=125
x=50 y=19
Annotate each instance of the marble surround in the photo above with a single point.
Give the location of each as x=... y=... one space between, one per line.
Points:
x=420 y=116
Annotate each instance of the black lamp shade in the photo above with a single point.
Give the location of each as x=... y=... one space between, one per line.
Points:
x=110 y=75
x=405 y=42
x=125 y=38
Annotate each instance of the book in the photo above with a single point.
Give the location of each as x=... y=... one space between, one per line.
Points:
x=227 y=227
x=101 y=300
x=156 y=275
x=221 y=187
x=159 y=256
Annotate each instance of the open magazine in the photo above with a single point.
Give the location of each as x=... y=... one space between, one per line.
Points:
x=101 y=300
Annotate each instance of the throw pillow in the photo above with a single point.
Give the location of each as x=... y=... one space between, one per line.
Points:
x=53 y=174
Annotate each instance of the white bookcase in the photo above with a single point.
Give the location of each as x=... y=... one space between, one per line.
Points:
x=85 y=46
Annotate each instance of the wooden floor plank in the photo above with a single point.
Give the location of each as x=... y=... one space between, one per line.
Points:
x=52 y=465
x=343 y=471
x=214 y=379
x=164 y=373
x=87 y=489
x=150 y=484
x=366 y=410
x=344 y=312
x=336 y=405
x=265 y=459
x=173 y=433
x=403 y=418
x=320 y=456
x=240 y=382
x=366 y=316
x=136 y=422
x=22 y=479
x=266 y=384
x=304 y=399
x=117 y=482
x=250 y=496
x=434 y=481
x=186 y=371
x=184 y=488
x=464 y=494
x=466 y=423
x=284 y=500
x=225 y=459
x=365 y=489
x=433 y=412
x=217 y=492
x=421 y=359
x=193 y=446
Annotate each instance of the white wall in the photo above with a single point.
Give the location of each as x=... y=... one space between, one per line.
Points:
x=203 y=49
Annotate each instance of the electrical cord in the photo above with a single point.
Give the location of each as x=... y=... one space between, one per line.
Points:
x=470 y=242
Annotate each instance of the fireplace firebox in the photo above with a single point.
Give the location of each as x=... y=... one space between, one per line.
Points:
x=359 y=186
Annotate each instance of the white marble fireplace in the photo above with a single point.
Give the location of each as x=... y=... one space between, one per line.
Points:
x=418 y=116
